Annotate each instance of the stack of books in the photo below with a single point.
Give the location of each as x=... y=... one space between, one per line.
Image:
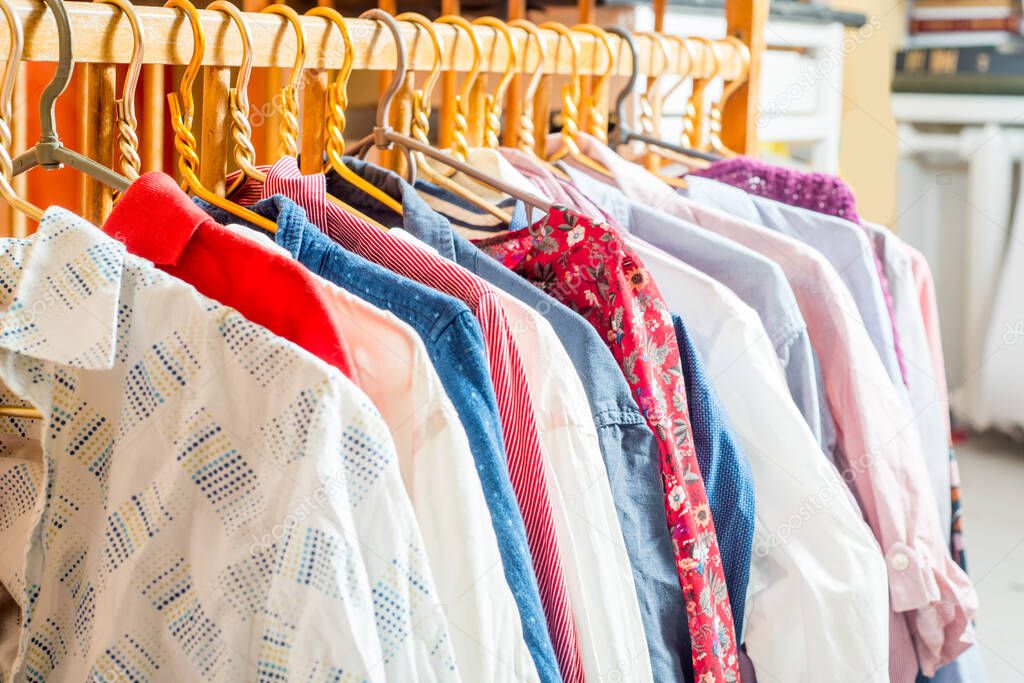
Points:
x=962 y=46
x=963 y=23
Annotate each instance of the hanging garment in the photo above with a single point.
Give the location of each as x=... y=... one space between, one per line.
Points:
x=842 y=243
x=232 y=270
x=758 y=281
x=727 y=260
x=586 y=266
x=882 y=461
x=525 y=461
x=821 y=192
x=930 y=314
x=455 y=345
x=166 y=543
x=729 y=489
x=726 y=473
x=816 y=571
x=928 y=398
x=391 y=363
x=628 y=446
x=590 y=544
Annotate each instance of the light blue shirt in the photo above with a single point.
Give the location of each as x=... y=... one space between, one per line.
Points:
x=842 y=243
x=757 y=281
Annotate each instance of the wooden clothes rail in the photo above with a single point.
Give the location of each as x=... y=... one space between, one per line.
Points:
x=103 y=36
x=103 y=39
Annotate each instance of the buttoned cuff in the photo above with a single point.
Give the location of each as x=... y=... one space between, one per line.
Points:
x=912 y=583
x=943 y=630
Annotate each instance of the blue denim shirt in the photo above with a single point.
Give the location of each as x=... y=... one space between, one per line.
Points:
x=757 y=281
x=726 y=472
x=455 y=345
x=627 y=444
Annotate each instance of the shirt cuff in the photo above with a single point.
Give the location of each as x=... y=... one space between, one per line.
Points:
x=912 y=583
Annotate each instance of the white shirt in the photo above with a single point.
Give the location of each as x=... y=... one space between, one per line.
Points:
x=391 y=365
x=219 y=505
x=602 y=594
x=817 y=607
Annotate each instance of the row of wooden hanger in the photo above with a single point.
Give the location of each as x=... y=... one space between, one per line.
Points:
x=419 y=154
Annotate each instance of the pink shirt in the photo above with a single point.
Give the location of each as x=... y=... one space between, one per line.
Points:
x=931 y=597
x=930 y=313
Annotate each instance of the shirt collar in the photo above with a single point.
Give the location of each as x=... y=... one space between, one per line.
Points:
x=462 y=212
x=155 y=219
x=417 y=217
x=613 y=202
x=290 y=218
x=65 y=305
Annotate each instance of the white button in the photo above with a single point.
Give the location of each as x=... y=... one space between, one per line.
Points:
x=900 y=562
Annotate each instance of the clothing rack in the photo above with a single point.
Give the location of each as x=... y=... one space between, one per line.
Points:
x=103 y=39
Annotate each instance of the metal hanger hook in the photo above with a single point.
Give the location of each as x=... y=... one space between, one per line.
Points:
x=398 y=78
x=65 y=68
x=421 y=22
x=474 y=68
x=574 y=65
x=622 y=129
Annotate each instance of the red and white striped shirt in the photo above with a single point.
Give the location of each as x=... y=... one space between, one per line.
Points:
x=519 y=428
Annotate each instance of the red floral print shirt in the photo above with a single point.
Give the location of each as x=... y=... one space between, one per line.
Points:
x=588 y=267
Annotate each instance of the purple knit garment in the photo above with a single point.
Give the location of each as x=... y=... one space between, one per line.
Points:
x=819 y=192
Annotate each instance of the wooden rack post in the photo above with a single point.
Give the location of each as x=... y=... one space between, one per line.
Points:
x=745 y=19
x=513 y=99
x=98 y=120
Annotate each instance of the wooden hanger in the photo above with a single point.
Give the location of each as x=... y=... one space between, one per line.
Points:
x=384 y=136
x=623 y=133
x=182 y=108
x=570 y=110
x=420 y=128
x=525 y=139
x=127 y=123
x=338 y=102
x=715 y=116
